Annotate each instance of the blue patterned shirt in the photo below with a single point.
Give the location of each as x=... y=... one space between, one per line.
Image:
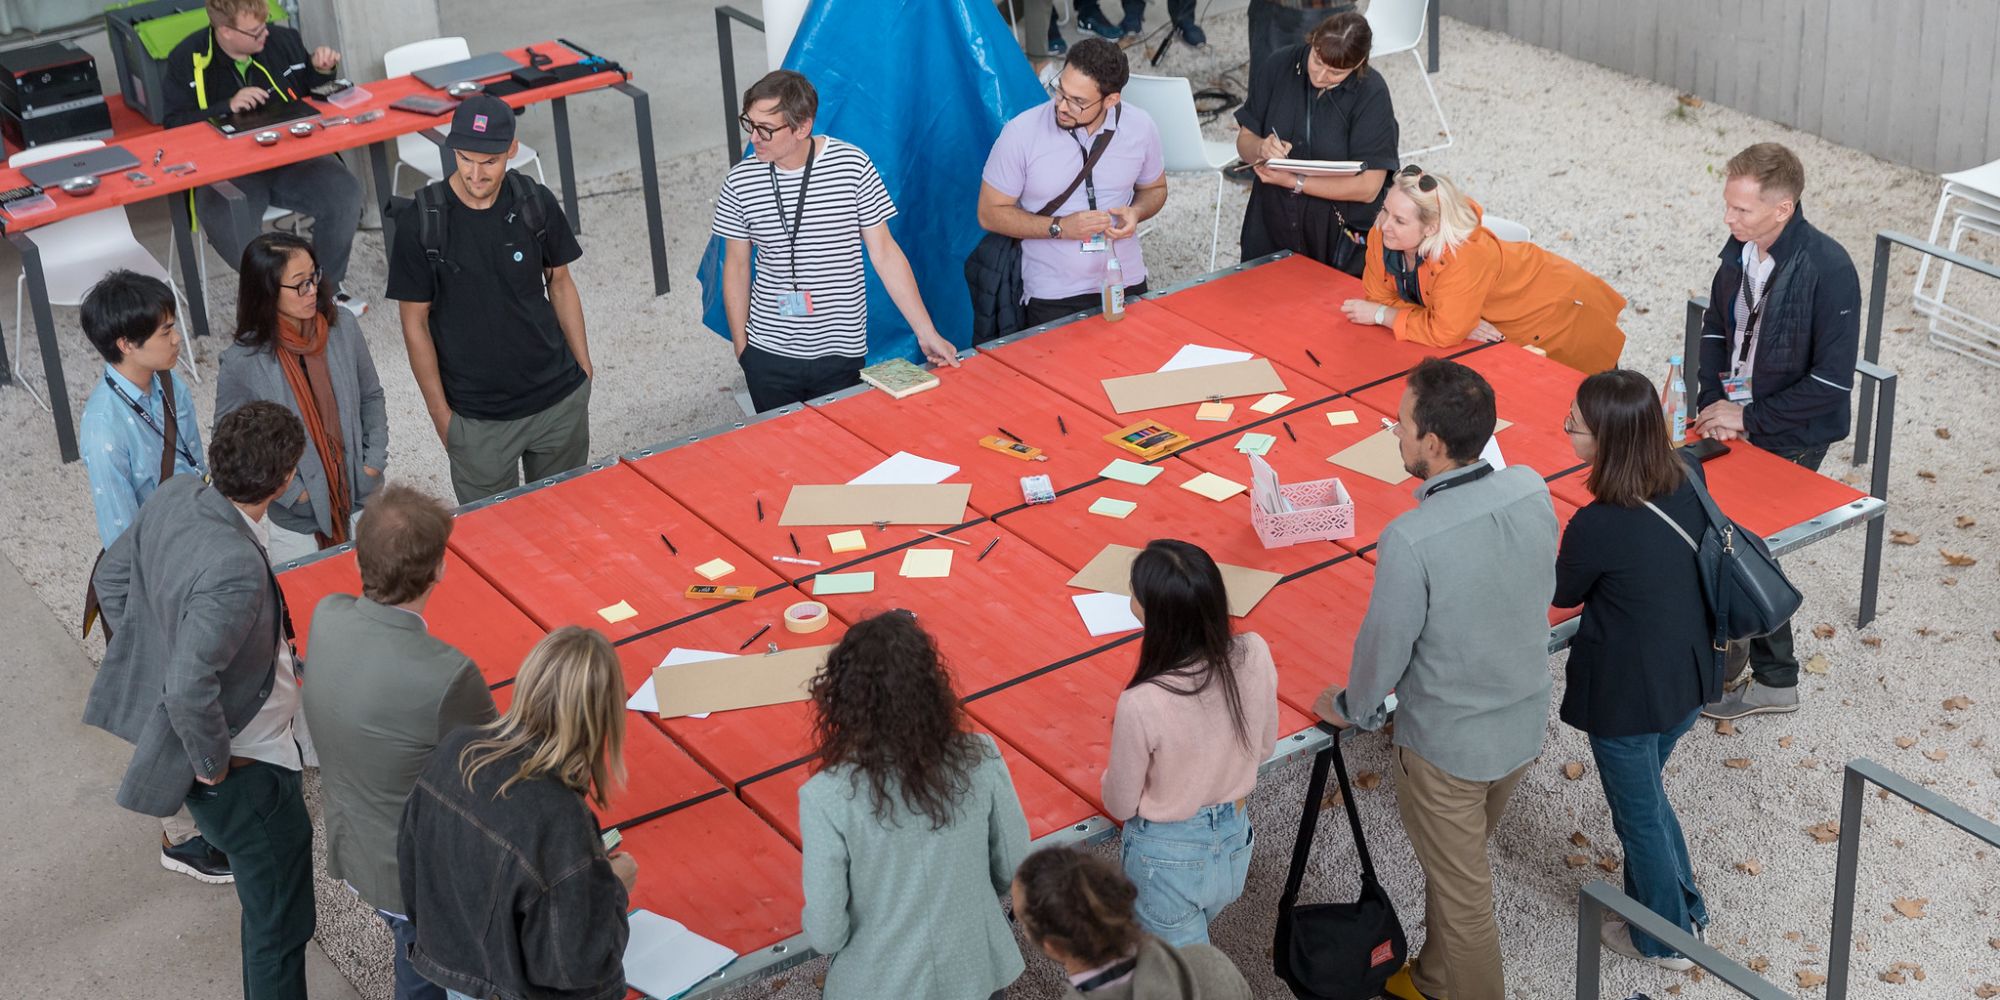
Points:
x=121 y=450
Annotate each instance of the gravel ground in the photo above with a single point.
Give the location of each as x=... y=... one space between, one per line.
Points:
x=1613 y=172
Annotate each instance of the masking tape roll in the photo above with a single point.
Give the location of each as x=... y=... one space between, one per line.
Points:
x=805 y=616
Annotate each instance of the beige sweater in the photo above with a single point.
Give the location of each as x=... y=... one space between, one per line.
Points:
x=1172 y=753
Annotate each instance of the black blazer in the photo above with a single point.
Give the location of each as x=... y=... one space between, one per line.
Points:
x=1642 y=659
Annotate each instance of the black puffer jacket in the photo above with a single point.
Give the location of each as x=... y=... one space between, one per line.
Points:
x=993 y=276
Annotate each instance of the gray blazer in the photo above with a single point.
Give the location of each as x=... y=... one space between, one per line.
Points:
x=249 y=374
x=196 y=618
x=905 y=910
x=384 y=693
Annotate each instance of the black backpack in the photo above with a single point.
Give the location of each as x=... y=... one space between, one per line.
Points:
x=428 y=211
x=1336 y=951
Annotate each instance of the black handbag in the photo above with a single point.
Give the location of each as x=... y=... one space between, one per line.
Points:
x=1336 y=951
x=993 y=271
x=1747 y=592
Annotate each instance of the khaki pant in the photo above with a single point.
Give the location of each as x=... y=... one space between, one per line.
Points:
x=1449 y=821
x=179 y=827
x=490 y=456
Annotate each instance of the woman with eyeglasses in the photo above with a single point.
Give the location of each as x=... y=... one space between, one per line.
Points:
x=1436 y=276
x=1317 y=101
x=1643 y=662
x=295 y=347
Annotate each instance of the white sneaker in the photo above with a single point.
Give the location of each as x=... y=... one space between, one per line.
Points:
x=348 y=302
x=1617 y=936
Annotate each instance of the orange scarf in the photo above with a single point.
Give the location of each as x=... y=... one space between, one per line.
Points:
x=302 y=354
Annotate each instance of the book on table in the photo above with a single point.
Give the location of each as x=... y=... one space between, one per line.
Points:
x=898 y=378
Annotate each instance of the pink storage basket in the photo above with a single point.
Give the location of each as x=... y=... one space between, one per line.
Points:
x=1321 y=512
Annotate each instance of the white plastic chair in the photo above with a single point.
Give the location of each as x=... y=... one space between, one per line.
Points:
x=416 y=152
x=1169 y=101
x=272 y=213
x=1977 y=192
x=77 y=252
x=1398 y=25
x=1507 y=229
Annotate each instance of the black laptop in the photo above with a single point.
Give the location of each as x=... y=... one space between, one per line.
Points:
x=268 y=115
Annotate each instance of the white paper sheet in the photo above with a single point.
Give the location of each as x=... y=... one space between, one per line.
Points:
x=905 y=469
x=1491 y=453
x=1197 y=356
x=1106 y=614
x=648 y=700
x=665 y=959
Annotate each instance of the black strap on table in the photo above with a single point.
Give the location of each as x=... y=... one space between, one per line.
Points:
x=1309 y=822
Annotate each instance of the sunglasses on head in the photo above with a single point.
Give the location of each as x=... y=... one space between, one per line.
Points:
x=1425 y=182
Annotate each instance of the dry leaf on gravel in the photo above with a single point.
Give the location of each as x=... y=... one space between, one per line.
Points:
x=1986 y=991
x=1724 y=727
x=1966 y=521
x=1674 y=990
x=1911 y=908
x=1688 y=100
x=1608 y=864
x=1937 y=754
x=1579 y=839
x=1916 y=971
x=1957 y=703
x=1996 y=635
x=1905 y=742
x=1943 y=433
x=1903 y=537
x=1577 y=860
x=1957 y=558
x=1739 y=763
x=1331 y=800
x=1872 y=641
x=1750 y=867
x=1823 y=630
x=1993 y=943
x=1808 y=978
x=1367 y=780
x=1825 y=833
x=1758 y=964
x=1573 y=770
x=1926 y=474
x=1817 y=664
x=1793 y=936
x=1784 y=742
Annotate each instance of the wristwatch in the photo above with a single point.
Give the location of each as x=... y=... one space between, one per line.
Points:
x=1055 y=228
x=1298 y=184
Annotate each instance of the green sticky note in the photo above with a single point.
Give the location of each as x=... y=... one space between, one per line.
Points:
x=1130 y=472
x=1255 y=444
x=1110 y=507
x=829 y=584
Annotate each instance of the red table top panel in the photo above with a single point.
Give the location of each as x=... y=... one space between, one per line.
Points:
x=658 y=774
x=565 y=551
x=218 y=158
x=1049 y=806
x=1755 y=488
x=1310 y=624
x=1288 y=307
x=1525 y=441
x=464 y=611
x=737 y=744
x=994 y=619
x=1076 y=359
x=722 y=871
x=977 y=399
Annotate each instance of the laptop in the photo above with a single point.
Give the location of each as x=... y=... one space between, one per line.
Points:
x=89 y=163
x=480 y=67
x=264 y=116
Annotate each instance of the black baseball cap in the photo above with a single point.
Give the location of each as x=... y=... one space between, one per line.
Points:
x=482 y=124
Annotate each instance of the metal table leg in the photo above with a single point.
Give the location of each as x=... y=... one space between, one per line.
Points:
x=182 y=214
x=566 y=164
x=649 y=182
x=45 y=333
x=378 y=167
x=1431 y=33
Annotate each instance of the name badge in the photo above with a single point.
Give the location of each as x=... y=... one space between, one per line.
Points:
x=797 y=302
x=1096 y=244
x=1737 y=388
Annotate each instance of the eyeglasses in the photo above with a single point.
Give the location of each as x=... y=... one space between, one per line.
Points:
x=263 y=29
x=1425 y=182
x=763 y=133
x=1570 y=427
x=306 y=287
x=1076 y=105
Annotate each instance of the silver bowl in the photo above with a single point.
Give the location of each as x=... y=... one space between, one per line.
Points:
x=301 y=129
x=462 y=88
x=268 y=137
x=80 y=186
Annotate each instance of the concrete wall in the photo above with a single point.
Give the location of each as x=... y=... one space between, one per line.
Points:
x=1913 y=81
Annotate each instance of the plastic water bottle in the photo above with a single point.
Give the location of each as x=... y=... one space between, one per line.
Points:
x=1673 y=401
x=1113 y=289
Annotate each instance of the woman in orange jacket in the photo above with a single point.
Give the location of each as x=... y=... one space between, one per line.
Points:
x=1436 y=276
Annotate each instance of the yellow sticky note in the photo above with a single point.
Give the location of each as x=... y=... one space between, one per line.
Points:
x=617 y=613
x=926 y=563
x=1112 y=507
x=1214 y=487
x=1272 y=403
x=714 y=569
x=1341 y=418
x=1215 y=411
x=846 y=541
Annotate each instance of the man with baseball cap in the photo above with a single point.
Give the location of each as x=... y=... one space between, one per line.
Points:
x=491 y=318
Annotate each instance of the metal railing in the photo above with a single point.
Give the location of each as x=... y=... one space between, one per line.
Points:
x=1878 y=291
x=725 y=44
x=1591 y=902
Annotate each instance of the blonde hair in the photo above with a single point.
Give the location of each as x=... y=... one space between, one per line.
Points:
x=227 y=11
x=1775 y=168
x=1444 y=206
x=568 y=717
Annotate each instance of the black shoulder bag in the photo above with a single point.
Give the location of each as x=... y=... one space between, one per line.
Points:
x=1748 y=594
x=993 y=272
x=1336 y=951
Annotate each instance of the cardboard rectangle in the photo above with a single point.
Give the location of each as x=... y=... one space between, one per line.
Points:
x=737 y=682
x=1376 y=456
x=1272 y=403
x=940 y=503
x=1214 y=487
x=828 y=584
x=1131 y=472
x=715 y=569
x=926 y=563
x=1192 y=385
x=1112 y=507
x=1110 y=571
x=846 y=541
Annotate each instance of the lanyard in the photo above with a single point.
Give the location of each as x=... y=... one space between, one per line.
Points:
x=1089 y=186
x=1406 y=276
x=798 y=213
x=1747 y=336
x=1473 y=474
x=1108 y=976
x=180 y=448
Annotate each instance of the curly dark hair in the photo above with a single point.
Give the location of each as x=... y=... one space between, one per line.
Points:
x=255 y=448
x=884 y=706
x=1079 y=903
x=1102 y=61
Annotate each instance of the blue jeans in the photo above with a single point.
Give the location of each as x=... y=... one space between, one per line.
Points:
x=1187 y=871
x=409 y=985
x=1657 y=870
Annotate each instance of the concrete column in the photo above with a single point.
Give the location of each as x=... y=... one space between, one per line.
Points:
x=363 y=30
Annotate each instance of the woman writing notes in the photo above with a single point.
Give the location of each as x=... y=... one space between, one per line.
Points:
x=1317 y=101
x=1435 y=276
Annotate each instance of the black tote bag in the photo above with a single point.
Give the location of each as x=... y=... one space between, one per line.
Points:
x=1336 y=951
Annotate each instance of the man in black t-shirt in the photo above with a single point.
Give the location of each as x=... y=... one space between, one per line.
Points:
x=491 y=318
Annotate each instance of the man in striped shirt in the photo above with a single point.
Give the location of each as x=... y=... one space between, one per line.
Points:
x=1777 y=364
x=809 y=204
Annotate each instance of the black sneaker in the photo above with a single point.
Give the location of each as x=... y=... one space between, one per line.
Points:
x=198 y=860
x=1057 y=44
x=1192 y=34
x=1096 y=24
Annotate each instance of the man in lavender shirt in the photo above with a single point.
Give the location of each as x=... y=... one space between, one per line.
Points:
x=1064 y=255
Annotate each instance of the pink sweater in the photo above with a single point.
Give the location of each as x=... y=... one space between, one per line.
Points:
x=1172 y=754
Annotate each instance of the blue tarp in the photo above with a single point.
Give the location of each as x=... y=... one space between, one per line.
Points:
x=923 y=87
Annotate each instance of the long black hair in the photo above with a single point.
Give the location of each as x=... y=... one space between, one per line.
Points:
x=1187 y=624
x=264 y=263
x=884 y=706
